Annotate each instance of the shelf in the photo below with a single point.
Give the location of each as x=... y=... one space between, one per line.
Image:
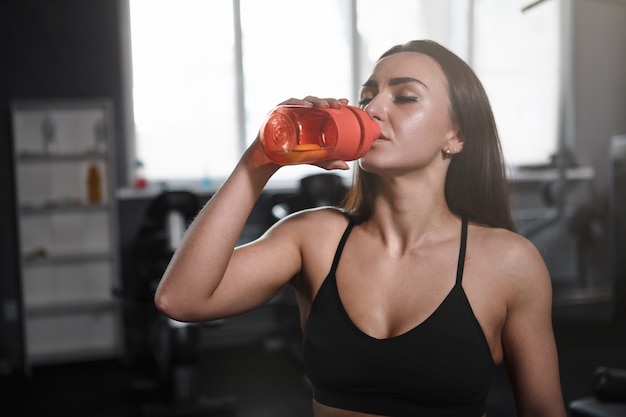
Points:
x=69 y=264
x=60 y=157
x=57 y=308
x=549 y=174
x=70 y=258
x=52 y=207
x=73 y=355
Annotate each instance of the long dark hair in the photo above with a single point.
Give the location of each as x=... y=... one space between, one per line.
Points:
x=475 y=186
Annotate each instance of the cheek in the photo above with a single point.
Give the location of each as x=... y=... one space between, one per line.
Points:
x=425 y=131
x=418 y=139
x=415 y=133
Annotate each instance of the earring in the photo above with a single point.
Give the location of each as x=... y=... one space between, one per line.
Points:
x=447 y=151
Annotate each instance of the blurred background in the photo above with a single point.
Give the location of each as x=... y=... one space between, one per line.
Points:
x=122 y=117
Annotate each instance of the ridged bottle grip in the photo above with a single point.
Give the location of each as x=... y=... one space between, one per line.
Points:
x=357 y=131
x=283 y=131
x=369 y=128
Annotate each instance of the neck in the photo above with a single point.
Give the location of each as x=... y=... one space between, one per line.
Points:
x=410 y=213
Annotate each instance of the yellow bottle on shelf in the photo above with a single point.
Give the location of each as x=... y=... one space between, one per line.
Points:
x=94 y=184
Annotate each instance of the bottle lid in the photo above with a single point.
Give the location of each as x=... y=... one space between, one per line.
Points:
x=357 y=132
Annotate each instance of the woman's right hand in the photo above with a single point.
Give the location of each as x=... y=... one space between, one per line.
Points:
x=312 y=101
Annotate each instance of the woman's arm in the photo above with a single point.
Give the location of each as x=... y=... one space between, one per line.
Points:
x=529 y=347
x=208 y=277
x=191 y=286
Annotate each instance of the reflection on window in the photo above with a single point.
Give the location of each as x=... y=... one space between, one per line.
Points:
x=185 y=70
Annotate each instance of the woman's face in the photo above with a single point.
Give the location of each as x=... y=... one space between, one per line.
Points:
x=407 y=94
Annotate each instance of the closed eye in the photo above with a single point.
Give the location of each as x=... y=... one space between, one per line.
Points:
x=398 y=99
x=405 y=99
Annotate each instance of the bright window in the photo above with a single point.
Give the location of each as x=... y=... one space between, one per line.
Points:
x=293 y=49
x=183 y=87
x=193 y=81
x=517 y=57
x=445 y=21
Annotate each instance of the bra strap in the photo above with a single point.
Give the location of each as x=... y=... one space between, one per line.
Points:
x=461 y=263
x=342 y=243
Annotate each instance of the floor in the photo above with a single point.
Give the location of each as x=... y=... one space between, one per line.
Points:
x=266 y=380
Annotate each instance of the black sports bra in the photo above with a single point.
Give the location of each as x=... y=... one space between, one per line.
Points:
x=440 y=368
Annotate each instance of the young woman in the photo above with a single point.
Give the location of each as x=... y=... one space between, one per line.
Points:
x=417 y=288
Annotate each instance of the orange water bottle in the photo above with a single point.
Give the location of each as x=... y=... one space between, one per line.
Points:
x=293 y=134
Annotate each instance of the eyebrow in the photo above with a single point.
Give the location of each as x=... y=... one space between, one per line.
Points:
x=395 y=81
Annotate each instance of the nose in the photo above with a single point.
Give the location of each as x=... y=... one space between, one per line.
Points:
x=374 y=109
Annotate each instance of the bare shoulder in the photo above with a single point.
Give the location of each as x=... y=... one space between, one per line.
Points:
x=316 y=233
x=313 y=223
x=512 y=257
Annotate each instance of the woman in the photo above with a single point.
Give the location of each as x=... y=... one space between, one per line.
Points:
x=429 y=288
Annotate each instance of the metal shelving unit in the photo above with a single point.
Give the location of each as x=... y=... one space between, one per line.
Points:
x=63 y=154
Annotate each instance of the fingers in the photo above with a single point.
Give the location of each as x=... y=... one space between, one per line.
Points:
x=331 y=165
x=312 y=101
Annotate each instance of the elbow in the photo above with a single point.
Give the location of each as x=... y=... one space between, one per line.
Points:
x=167 y=305
x=177 y=306
x=163 y=304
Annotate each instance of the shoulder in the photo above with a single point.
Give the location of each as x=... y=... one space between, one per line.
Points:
x=331 y=215
x=513 y=258
x=316 y=233
x=511 y=246
x=313 y=223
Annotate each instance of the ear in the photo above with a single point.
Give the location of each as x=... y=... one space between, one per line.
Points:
x=454 y=143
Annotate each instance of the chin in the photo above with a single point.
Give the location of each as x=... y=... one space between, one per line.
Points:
x=369 y=165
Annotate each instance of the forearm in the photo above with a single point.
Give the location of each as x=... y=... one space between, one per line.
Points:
x=198 y=266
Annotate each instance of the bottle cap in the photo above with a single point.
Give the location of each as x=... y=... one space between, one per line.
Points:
x=357 y=132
